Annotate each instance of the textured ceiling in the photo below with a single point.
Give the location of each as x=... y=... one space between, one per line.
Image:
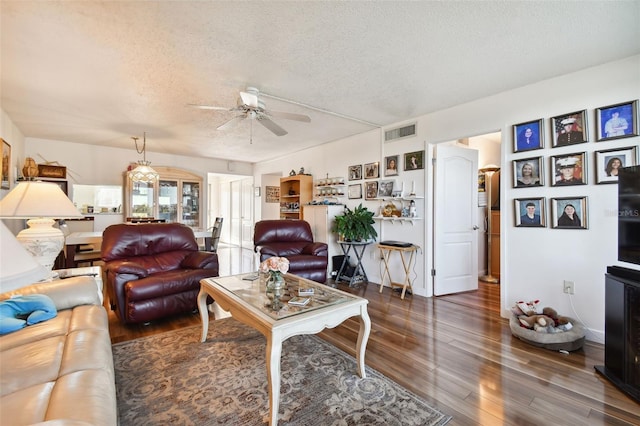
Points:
x=99 y=72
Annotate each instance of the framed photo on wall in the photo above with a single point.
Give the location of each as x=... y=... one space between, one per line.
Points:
x=272 y=194
x=569 y=129
x=371 y=190
x=385 y=188
x=528 y=172
x=372 y=170
x=617 y=121
x=530 y=212
x=6 y=165
x=414 y=160
x=569 y=213
x=355 y=191
x=391 y=165
x=355 y=172
x=569 y=169
x=528 y=136
x=608 y=162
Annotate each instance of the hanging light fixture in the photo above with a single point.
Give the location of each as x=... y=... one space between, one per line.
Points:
x=143 y=171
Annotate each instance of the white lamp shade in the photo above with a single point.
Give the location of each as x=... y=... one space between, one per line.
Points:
x=17 y=267
x=37 y=199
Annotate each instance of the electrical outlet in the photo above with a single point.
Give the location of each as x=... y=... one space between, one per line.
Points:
x=568 y=287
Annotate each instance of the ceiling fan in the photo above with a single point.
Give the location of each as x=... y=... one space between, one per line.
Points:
x=251 y=106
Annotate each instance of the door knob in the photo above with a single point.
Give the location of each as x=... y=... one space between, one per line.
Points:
x=475 y=227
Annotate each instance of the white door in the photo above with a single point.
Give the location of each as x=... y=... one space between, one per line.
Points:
x=455 y=220
x=235 y=213
x=247 y=213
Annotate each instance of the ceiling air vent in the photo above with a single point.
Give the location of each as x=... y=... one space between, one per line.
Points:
x=400 y=132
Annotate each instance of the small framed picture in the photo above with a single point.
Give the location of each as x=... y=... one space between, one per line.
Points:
x=608 y=162
x=617 y=121
x=569 y=212
x=569 y=129
x=391 y=164
x=385 y=188
x=528 y=136
x=355 y=191
x=371 y=190
x=372 y=170
x=6 y=165
x=355 y=172
x=414 y=160
x=528 y=172
x=569 y=169
x=530 y=212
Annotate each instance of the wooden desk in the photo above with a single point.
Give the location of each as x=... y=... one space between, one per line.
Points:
x=386 y=254
x=76 y=239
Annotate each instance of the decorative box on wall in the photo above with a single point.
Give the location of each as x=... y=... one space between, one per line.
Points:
x=50 y=171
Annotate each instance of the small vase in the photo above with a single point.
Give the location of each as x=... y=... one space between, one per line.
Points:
x=275 y=286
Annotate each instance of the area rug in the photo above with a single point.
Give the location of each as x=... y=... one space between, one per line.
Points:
x=172 y=378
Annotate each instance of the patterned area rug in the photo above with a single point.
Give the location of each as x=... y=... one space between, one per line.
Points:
x=172 y=378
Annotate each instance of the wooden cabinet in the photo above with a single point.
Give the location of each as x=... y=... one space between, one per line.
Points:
x=494 y=235
x=175 y=197
x=295 y=191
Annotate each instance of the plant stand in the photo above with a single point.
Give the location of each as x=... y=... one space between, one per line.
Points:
x=358 y=249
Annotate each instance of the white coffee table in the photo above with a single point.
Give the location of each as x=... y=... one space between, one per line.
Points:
x=248 y=303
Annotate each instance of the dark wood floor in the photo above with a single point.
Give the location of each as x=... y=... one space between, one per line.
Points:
x=459 y=355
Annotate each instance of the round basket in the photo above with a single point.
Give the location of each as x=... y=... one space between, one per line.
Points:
x=571 y=340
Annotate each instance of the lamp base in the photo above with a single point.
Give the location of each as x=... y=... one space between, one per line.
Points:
x=489 y=279
x=42 y=241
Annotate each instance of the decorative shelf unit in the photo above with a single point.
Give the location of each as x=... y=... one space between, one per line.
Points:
x=405 y=204
x=330 y=187
x=295 y=191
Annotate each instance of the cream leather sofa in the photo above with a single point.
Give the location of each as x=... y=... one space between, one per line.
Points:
x=60 y=372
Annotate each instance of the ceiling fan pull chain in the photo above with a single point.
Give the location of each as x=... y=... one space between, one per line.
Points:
x=250 y=132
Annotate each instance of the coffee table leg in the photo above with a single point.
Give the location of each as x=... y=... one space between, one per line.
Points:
x=204 y=313
x=274 y=351
x=363 y=337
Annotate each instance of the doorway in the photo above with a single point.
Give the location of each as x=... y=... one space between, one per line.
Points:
x=466 y=274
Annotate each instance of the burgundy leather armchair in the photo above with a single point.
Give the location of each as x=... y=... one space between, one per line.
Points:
x=153 y=270
x=292 y=239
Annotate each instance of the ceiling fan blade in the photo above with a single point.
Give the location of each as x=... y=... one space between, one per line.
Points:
x=249 y=99
x=290 y=116
x=217 y=108
x=231 y=123
x=273 y=127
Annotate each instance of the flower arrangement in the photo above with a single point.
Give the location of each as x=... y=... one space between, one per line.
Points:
x=274 y=264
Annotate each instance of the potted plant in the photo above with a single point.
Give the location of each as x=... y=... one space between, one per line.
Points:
x=355 y=225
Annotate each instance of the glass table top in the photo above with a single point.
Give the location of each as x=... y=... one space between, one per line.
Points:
x=254 y=294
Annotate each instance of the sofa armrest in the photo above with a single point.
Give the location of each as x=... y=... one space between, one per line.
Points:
x=128 y=267
x=65 y=294
x=200 y=260
x=316 y=249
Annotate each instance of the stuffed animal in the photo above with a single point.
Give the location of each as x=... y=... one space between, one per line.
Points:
x=21 y=311
x=562 y=323
x=539 y=323
x=526 y=308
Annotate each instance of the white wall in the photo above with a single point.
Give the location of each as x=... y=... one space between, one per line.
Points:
x=535 y=261
x=100 y=165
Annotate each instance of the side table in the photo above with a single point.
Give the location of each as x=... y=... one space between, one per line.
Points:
x=386 y=254
x=358 y=248
x=94 y=271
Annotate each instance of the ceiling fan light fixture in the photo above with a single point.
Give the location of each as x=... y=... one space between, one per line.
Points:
x=143 y=171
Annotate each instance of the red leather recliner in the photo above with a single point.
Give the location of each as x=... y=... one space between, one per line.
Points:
x=292 y=239
x=154 y=270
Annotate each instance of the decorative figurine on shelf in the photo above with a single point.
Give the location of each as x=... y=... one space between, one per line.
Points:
x=301 y=172
x=30 y=169
x=292 y=172
x=412 y=209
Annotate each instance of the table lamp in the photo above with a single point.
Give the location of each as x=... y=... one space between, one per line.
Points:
x=40 y=202
x=17 y=267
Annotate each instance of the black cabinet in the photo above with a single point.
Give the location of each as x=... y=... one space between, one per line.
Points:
x=622 y=330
